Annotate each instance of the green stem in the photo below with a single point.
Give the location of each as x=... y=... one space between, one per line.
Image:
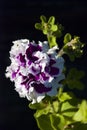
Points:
x=61 y=52
x=49 y=35
x=48 y=38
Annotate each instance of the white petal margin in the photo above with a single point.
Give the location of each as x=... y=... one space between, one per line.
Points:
x=34 y=96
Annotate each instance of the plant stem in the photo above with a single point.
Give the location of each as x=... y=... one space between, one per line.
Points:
x=61 y=52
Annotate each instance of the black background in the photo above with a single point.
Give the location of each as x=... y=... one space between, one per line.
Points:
x=17 y=19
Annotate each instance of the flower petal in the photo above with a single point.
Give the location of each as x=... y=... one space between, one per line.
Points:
x=40 y=88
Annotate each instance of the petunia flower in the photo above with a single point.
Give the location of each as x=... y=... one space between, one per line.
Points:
x=35 y=69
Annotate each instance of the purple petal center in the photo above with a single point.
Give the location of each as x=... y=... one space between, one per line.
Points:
x=44 y=76
x=54 y=71
x=29 y=52
x=52 y=61
x=40 y=88
x=14 y=74
x=22 y=59
x=27 y=80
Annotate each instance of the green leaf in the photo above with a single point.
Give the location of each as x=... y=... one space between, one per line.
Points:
x=73 y=79
x=78 y=74
x=44 y=122
x=75 y=84
x=81 y=114
x=69 y=104
x=37 y=105
x=44 y=111
x=67 y=109
x=73 y=48
x=65 y=96
x=57 y=121
x=67 y=38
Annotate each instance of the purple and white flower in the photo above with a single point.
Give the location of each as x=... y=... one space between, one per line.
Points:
x=35 y=69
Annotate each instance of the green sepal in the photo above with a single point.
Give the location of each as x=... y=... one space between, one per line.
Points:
x=50 y=29
x=38 y=26
x=44 y=31
x=37 y=106
x=73 y=48
x=44 y=111
x=51 y=20
x=67 y=38
x=43 y=18
x=53 y=28
x=41 y=105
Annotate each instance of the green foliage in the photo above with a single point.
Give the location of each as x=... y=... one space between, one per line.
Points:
x=50 y=29
x=68 y=104
x=52 y=41
x=57 y=121
x=47 y=27
x=81 y=114
x=58 y=33
x=73 y=47
x=63 y=113
x=67 y=38
x=68 y=109
x=37 y=105
x=65 y=96
x=48 y=109
x=44 y=122
x=77 y=126
x=73 y=79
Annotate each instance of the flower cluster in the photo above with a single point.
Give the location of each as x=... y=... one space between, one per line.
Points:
x=35 y=69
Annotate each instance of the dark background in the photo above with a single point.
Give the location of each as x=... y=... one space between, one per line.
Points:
x=17 y=19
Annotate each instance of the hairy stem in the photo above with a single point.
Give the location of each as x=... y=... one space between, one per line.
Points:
x=61 y=52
